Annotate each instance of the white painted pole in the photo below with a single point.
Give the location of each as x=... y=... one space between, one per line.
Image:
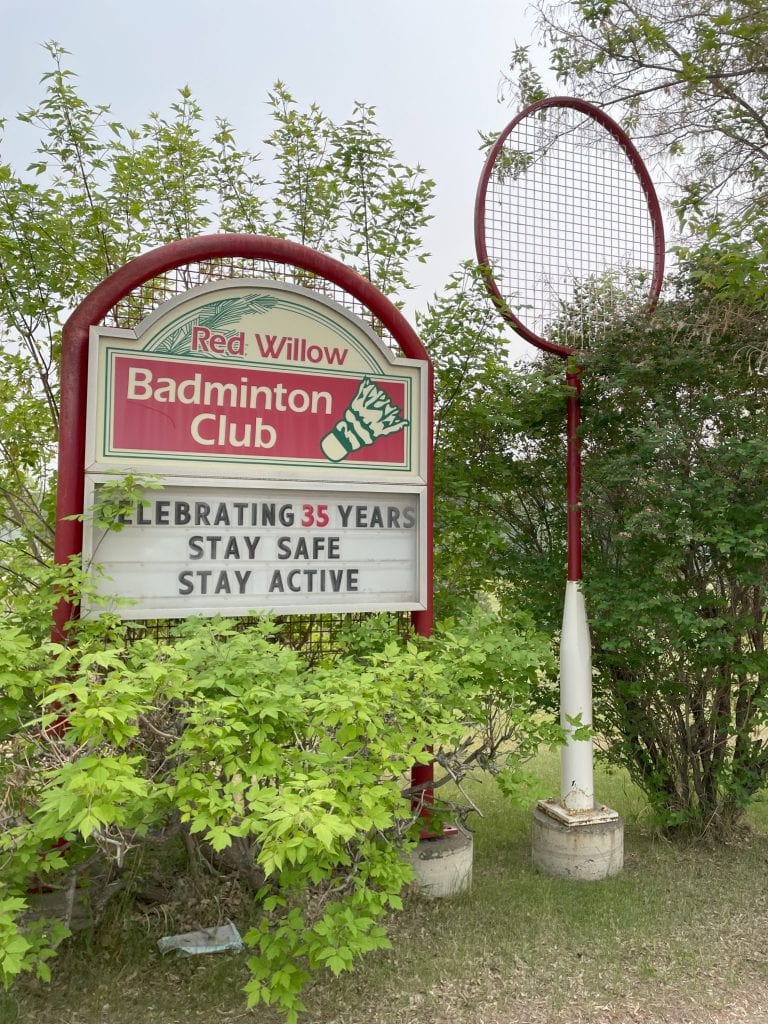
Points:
x=576 y=771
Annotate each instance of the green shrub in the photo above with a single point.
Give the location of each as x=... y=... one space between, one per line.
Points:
x=295 y=773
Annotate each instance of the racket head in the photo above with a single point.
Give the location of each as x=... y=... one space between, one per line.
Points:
x=565 y=203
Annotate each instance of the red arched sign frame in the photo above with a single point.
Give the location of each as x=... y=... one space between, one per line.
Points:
x=93 y=309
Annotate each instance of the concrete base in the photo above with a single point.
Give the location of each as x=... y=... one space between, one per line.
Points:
x=588 y=850
x=443 y=866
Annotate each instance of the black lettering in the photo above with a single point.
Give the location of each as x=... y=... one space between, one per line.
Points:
x=361 y=516
x=376 y=517
x=242 y=579
x=204 y=575
x=302 y=551
x=240 y=507
x=325 y=546
x=283 y=547
x=232 y=549
x=141 y=519
x=291 y=577
x=337 y=577
x=409 y=517
x=213 y=542
x=393 y=517
x=267 y=515
x=253 y=543
x=344 y=512
x=186 y=585
x=352 y=580
x=222 y=515
x=286 y=515
x=163 y=513
x=181 y=514
x=276 y=583
x=222 y=583
x=195 y=547
x=202 y=512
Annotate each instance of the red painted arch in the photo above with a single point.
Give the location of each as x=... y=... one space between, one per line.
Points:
x=96 y=305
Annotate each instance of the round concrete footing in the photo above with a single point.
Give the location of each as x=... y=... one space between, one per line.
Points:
x=588 y=851
x=443 y=866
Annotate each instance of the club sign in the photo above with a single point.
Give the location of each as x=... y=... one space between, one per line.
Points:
x=287 y=452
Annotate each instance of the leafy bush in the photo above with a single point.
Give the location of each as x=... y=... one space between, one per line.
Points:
x=675 y=500
x=293 y=774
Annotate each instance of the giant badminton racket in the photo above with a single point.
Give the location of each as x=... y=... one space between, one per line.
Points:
x=567 y=224
x=569 y=234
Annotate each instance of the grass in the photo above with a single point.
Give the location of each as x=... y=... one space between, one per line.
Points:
x=680 y=936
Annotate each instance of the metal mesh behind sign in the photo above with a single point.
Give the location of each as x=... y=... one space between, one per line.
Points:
x=138 y=304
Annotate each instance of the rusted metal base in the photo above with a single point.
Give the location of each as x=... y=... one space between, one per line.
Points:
x=595 y=816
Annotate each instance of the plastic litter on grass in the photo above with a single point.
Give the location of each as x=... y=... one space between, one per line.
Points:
x=222 y=939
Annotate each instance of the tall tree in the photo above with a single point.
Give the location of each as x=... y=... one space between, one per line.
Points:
x=99 y=192
x=474 y=409
x=689 y=80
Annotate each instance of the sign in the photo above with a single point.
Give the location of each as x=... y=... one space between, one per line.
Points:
x=230 y=550
x=289 y=447
x=160 y=408
x=259 y=377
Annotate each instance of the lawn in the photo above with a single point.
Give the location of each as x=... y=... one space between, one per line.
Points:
x=680 y=936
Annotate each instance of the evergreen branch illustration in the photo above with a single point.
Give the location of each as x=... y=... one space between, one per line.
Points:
x=221 y=315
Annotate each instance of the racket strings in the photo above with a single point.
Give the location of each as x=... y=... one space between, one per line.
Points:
x=568 y=232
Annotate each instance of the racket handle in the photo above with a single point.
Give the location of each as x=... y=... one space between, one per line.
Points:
x=576 y=770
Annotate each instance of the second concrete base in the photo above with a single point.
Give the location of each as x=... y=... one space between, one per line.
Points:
x=443 y=866
x=589 y=851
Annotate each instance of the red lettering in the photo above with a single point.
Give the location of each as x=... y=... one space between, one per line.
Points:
x=200 y=336
x=315 y=515
x=236 y=344
x=205 y=341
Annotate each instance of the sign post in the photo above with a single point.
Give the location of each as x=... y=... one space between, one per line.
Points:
x=290 y=451
x=292 y=448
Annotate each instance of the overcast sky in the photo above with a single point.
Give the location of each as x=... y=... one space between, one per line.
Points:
x=430 y=67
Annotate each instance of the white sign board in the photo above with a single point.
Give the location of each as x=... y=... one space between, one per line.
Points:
x=190 y=550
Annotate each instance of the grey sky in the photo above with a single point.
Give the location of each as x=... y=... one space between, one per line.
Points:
x=430 y=67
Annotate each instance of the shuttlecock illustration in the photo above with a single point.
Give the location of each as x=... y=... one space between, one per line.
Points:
x=371 y=414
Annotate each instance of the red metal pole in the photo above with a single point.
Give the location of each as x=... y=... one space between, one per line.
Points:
x=573 y=472
x=423 y=622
